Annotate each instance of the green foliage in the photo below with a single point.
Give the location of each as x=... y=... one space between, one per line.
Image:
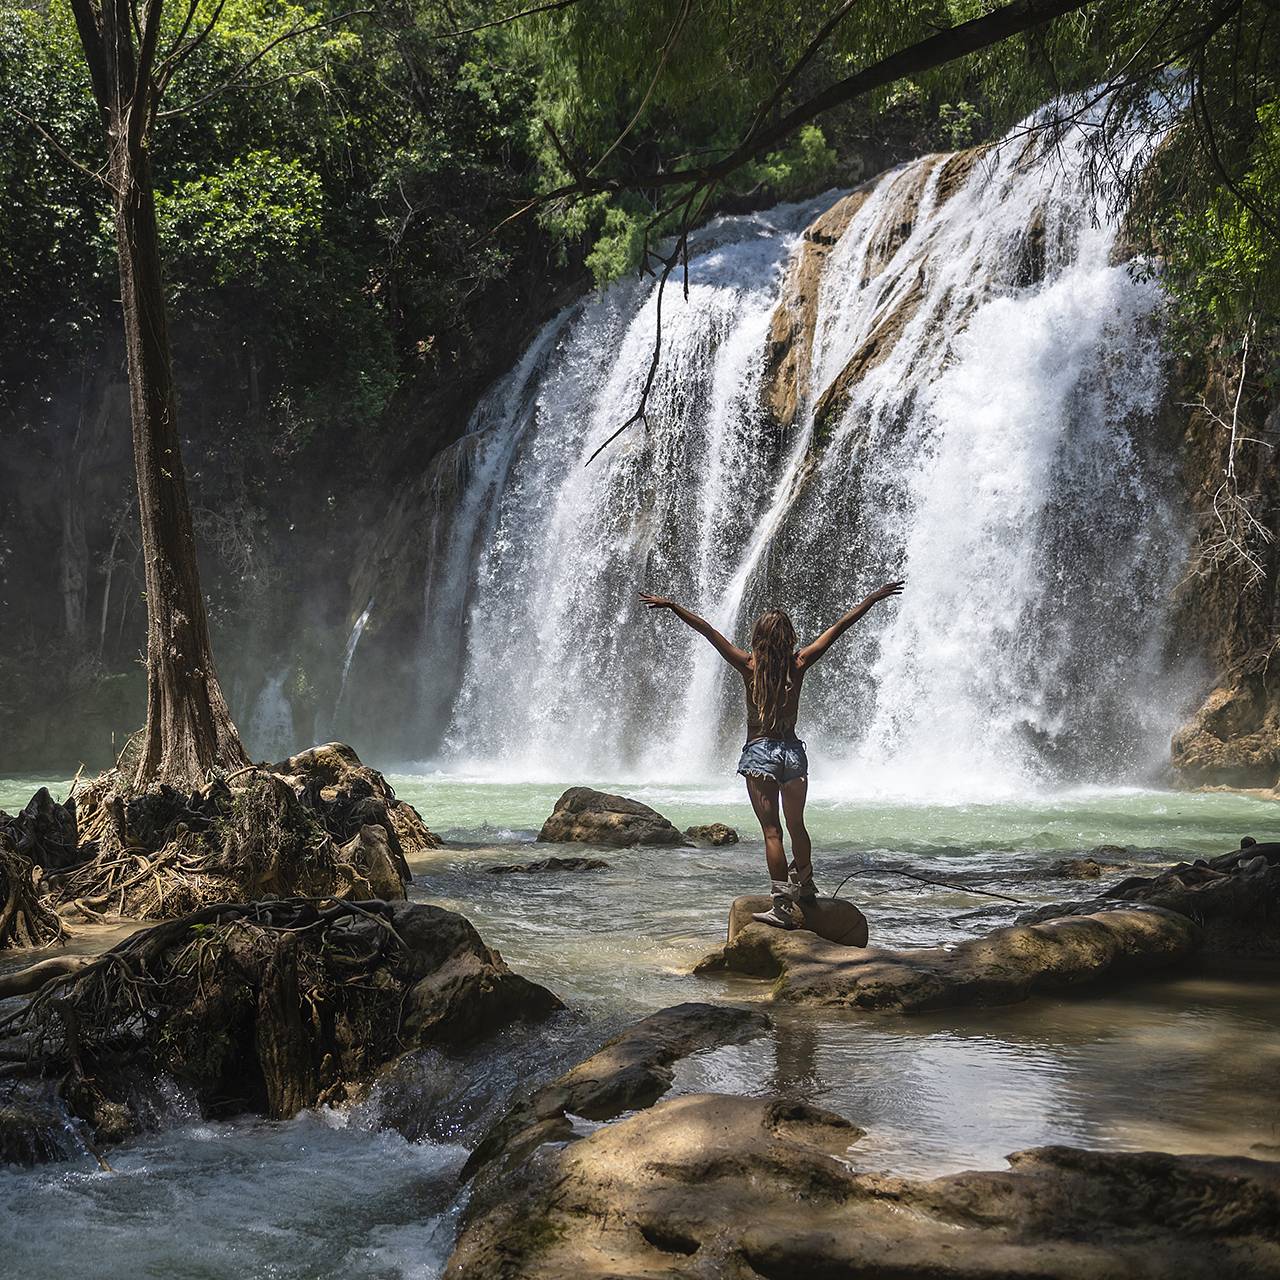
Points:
x=960 y=124
x=1222 y=256
x=254 y=221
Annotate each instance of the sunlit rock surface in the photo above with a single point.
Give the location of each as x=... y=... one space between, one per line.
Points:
x=584 y=816
x=1004 y=966
x=712 y=833
x=832 y=919
x=741 y=1188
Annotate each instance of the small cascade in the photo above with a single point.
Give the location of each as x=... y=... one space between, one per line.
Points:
x=353 y=640
x=946 y=376
x=271 y=729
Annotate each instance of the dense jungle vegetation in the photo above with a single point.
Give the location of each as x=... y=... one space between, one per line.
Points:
x=335 y=189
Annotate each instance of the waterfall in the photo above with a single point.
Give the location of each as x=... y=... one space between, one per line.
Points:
x=353 y=641
x=271 y=733
x=947 y=376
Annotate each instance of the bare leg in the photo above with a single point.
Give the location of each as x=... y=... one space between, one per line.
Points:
x=764 y=800
x=794 y=794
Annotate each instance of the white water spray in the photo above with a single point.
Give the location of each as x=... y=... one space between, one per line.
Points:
x=992 y=379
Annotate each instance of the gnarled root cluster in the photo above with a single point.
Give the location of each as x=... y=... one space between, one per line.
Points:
x=25 y=921
x=319 y=824
x=268 y=1007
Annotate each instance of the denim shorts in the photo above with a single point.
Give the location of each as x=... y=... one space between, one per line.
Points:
x=777 y=758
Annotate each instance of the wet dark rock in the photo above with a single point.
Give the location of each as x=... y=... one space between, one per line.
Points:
x=712 y=833
x=1086 y=868
x=632 y=1070
x=44 y=832
x=1234 y=899
x=584 y=816
x=547 y=864
x=1001 y=967
x=33 y=1123
x=266 y=1007
x=741 y=1188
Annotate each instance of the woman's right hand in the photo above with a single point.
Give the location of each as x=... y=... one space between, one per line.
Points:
x=655 y=602
x=889 y=589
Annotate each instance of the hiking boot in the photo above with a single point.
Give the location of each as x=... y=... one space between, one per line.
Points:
x=803 y=891
x=783 y=913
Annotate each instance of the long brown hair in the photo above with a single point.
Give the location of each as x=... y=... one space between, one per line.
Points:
x=773 y=642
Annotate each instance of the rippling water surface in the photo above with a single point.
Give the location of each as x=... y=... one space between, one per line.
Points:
x=1188 y=1064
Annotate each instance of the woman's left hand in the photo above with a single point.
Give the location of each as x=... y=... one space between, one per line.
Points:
x=655 y=602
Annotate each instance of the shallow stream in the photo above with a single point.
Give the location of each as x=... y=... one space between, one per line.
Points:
x=1185 y=1065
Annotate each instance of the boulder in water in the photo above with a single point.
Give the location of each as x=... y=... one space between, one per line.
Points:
x=710 y=1185
x=1004 y=966
x=833 y=919
x=1086 y=868
x=585 y=816
x=331 y=779
x=712 y=833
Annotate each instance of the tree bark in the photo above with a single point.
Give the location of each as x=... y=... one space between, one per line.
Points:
x=189 y=727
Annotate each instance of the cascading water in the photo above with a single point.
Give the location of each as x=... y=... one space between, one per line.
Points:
x=947 y=379
x=271 y=730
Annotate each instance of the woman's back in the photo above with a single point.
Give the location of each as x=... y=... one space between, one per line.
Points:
x=782 y=723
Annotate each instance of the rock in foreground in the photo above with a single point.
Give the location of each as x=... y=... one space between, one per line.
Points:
x=584 y=816
x=1004 y=966
x=267 y=1007
x=743 y=1188
x=631 y=1071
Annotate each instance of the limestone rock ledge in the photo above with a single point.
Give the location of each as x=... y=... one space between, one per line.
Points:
x=1002 y=967
x=1235 y=899
x=632 y=1070
x=741 y=1188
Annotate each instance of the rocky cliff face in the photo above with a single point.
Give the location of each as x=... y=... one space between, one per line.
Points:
x=1229 y=602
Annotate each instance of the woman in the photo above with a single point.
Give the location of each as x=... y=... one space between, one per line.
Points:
x=773 y=760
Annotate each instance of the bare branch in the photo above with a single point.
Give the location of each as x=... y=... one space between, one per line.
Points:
x=179 y=53
x=672 y=36
x=236 y=76
x=824 y=34
x=502 y=22
x=61 y=150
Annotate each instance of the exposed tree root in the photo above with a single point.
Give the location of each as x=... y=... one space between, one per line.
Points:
x=25 y=921
x=270 y=1006
x=320 y=824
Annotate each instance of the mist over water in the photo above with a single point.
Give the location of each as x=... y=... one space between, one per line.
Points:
x=999 y=451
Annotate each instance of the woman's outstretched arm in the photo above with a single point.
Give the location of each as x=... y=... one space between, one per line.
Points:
x=812 y=652
x=727 y=649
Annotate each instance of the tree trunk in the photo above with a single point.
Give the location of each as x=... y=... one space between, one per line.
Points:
x=189 y=728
